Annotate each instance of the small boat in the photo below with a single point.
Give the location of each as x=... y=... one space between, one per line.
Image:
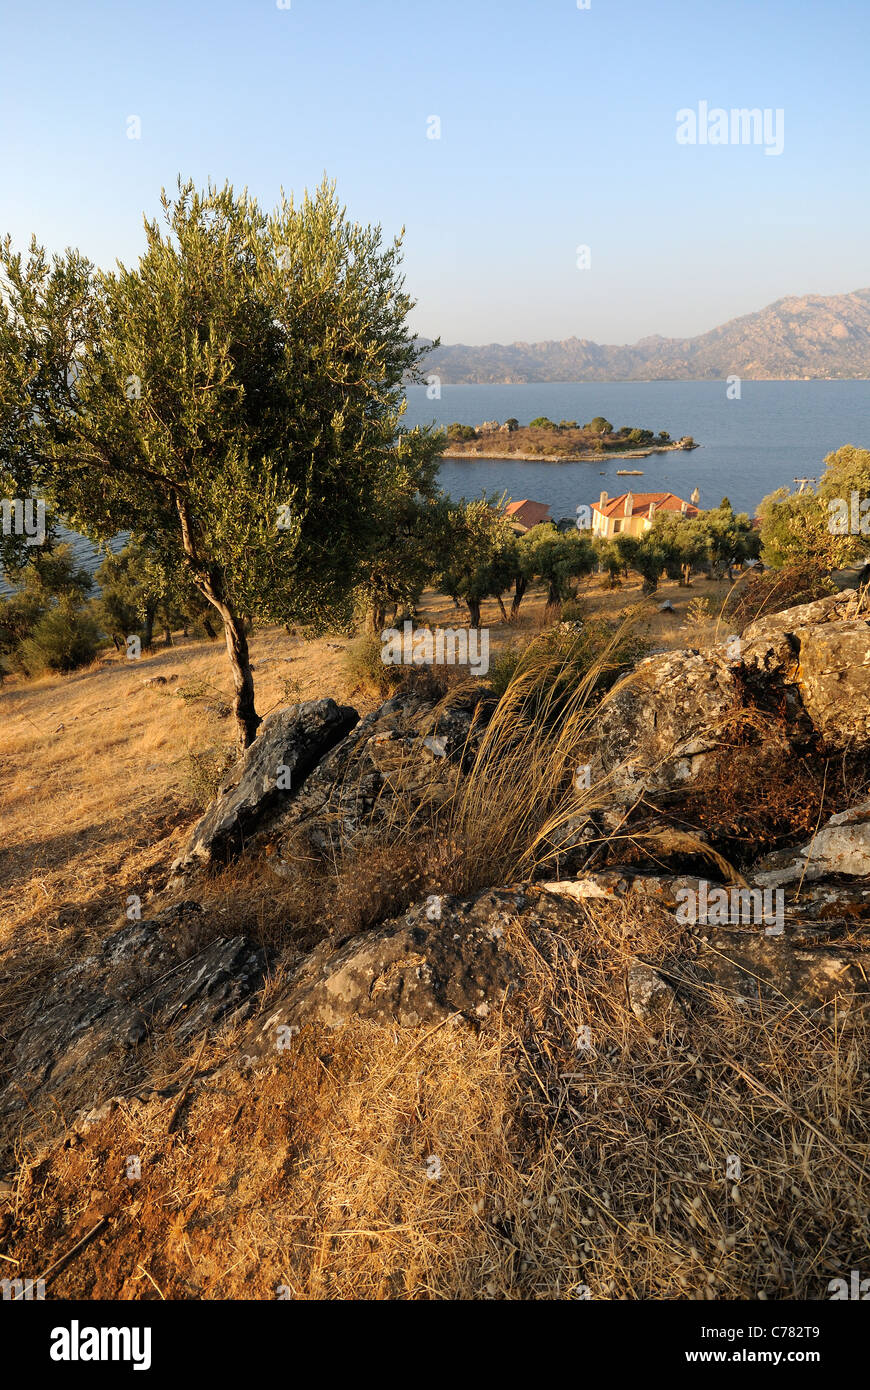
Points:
x=629 y=472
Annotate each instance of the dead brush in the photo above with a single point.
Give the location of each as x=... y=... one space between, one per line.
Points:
x=500 y=1162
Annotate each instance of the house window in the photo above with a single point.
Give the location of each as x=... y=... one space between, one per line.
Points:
x=617 y=526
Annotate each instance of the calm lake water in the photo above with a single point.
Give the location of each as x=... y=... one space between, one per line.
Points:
x=776 y=432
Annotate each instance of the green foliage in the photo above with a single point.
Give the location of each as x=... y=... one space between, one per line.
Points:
x=481 y=559
x=557 y=557
x=364 y=670
x=457 y=431
x=821 y=528
x=650 y=560
x=542 y=422
x=236 y=399
x=609 y=555
x=412 y=538
x=205 y=770
x=794 y=529
x=574 y=611
x=683 y=542
x=138 y=588
x=729 y=537
x=599 y=425
x=65 y=638
x=503 y=667
x=44 y=624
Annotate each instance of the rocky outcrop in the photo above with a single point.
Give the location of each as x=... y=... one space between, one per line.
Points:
x=821 y=651
x=401 y=758
x=444 y=956
x=747 y=965
x=290 y=743
x=834 y=682
x=841 y=846
x=656 y=731
x=819 y=956
x=148 y=977
x=449 y=957
x=772 y=643
x=652 y=999
x=666 y=723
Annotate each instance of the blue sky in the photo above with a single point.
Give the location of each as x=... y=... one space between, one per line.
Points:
x=557 y=130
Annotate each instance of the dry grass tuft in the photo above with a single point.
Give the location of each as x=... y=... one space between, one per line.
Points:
x=558 y=1171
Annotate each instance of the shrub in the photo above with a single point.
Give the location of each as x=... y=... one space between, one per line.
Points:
x=698 y=620
x=64 y=639
x=502 y=669
x=762 y=594
x=573 y=611
x=192 y=690
x=204 y=772
x=364 y=669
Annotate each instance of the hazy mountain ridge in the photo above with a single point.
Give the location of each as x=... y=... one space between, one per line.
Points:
x=801 y=336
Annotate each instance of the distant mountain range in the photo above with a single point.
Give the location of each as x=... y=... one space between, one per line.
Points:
x=798 y=338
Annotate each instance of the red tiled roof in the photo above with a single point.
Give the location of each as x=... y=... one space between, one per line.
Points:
x=527 y=512
x=664 y=501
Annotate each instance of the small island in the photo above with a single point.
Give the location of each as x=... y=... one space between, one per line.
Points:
x=565 y=442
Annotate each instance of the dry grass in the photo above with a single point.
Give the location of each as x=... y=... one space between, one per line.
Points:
x=558 y=1172
x=561 y=1174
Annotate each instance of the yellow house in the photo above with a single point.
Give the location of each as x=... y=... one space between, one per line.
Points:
x=631 y=514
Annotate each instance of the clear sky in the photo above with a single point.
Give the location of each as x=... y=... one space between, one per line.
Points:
x=558 y=129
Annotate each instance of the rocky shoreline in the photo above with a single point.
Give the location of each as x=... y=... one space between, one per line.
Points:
x=508 y=456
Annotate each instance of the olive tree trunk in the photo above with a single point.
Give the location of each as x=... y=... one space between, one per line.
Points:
x=247 y=718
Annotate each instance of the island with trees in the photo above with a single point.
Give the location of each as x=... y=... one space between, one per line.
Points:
x=564 y=442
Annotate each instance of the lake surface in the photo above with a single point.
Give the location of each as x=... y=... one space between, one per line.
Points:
x=776 y=432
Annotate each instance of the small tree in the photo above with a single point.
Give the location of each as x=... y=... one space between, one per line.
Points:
x=647 y=555
x=409 y=542
x=47 y=623
x=234 y=397
x=482 y=561
x=830 y=528
x=730 y=538
x=559 y=557
x=524 y=571
x=609 y=558
x=683 y=541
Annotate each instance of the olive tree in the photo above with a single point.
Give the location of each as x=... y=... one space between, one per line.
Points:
x=232 y=400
